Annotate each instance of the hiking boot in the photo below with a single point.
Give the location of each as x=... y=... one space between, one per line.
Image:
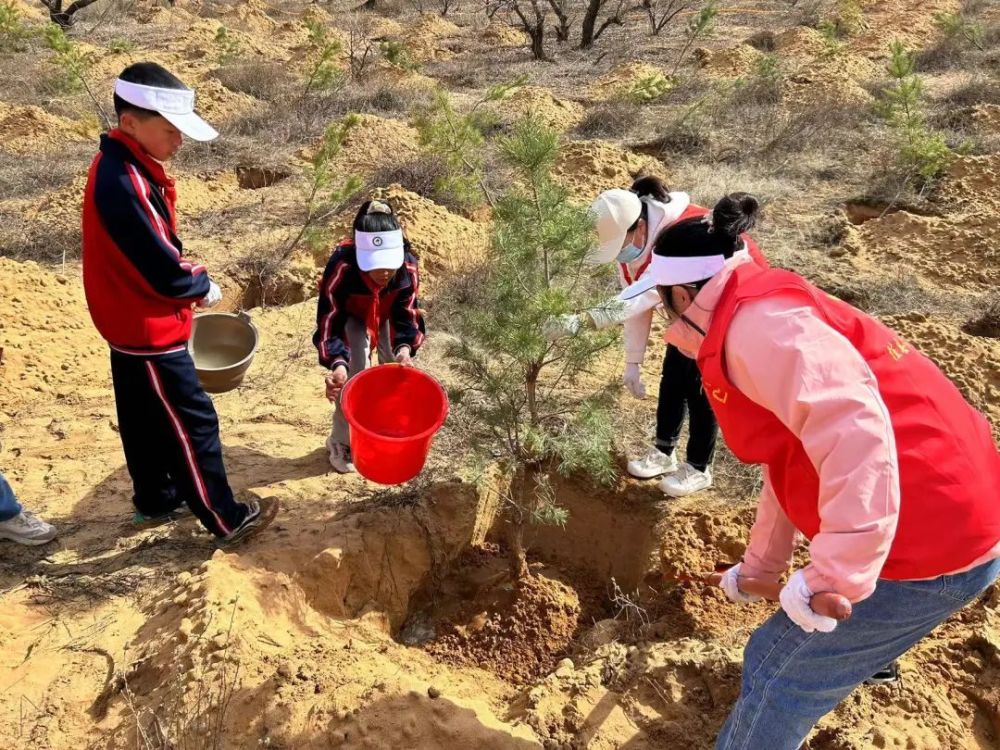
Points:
x=686 y=481
x=259 y=517
x=654 y=464
x=26 y=528
x=340 y=457
x=142 y=521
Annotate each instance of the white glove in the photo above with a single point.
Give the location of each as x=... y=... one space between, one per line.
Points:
x=795 y=598
x=560 y=327
x=730 y=583
x=213 y=297
x=633 y=380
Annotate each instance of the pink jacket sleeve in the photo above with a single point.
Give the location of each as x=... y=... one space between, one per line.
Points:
x=788 y=360
x=772 y=539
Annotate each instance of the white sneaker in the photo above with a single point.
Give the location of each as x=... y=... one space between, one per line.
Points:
x=656 y=463
x=26 y=528
x=686 y=481
x=340 y=457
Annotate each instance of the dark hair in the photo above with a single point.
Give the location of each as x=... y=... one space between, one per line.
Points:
x=653 y=187
x=367 y=220
x=735 y=214
x=147 y=74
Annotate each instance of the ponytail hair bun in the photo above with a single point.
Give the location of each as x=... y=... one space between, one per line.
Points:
x=376 y=216
x=652 y=187
x=735 y=214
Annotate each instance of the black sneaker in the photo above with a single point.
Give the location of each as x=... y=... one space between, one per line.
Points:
x=261 y=514
x=885 y=676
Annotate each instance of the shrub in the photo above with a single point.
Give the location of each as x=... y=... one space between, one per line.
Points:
x=13 y=32
x=228 y=48
x=258 y=78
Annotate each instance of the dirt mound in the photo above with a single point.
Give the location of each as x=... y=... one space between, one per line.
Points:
x=957 y=249
x=374 y=140
x=586 y=168
x=50 y=349
x=424 y=39
x=912 y=23
x=735 y=62
x=25 y=130
x=518 y=631
x=621 y=81
x=987 y=118
x=555 y=113
x=500 y=34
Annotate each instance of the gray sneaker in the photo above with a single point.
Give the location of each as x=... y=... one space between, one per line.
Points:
x=261 y=514
x=26 y=528
x=340 y=457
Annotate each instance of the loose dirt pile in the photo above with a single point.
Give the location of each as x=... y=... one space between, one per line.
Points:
x=503 y=35
x=372 y=142
x=26 y=130
x=554 y=113
x=622 y=80
x=586 y=168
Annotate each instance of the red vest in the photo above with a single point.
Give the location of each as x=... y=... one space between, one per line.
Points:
x=949 y=468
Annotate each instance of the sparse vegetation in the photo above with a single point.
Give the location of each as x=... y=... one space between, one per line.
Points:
x=14 y=33
x=513 y=380
x=323 y=74
x=610 y=119
x=662 y=12
x=698 y=27
x=398 y=54
x=228 y=46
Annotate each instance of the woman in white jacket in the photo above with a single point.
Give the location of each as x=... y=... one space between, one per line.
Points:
x=628 y=223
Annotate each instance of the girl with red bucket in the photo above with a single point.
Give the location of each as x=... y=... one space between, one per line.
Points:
x=369 y=293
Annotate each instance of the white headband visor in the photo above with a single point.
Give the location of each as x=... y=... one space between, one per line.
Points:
x=379 y=250
x=668 y=271
x=176 y=106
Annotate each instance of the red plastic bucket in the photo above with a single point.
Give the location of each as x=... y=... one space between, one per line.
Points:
x=394 y=413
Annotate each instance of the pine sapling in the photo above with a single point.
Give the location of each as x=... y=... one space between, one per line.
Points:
x=326 y=190
x=535 y=406
x=699 y=26
x=227 y=46
x=324 y=73
x=72 y=65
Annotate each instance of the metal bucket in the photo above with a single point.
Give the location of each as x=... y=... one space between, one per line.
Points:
x=222 y=346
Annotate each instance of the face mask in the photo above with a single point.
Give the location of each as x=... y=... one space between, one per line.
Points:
x=629 y=253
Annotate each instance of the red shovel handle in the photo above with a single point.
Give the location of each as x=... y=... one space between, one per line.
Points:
x=825 y=603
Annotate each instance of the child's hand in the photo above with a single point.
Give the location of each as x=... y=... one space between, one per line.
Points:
x=403 y=357
x=335 y=382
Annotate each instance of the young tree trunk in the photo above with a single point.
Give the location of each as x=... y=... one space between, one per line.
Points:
x=589 y=22
x=517 y=556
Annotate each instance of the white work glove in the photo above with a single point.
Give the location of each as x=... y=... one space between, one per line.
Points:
x=560 y=327
x=213 y=297
x=795 y=598
x=633 y=380
x=730 y=583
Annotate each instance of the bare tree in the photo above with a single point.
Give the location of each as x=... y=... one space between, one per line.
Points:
x=565 y=20
x=660 y=14
x=65 y=17
x=589 y=34
x=531 y=16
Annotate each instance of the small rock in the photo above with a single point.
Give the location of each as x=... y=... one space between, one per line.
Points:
x=285 y=670
x=433 y=693
x=185 y=628
x=183 y=578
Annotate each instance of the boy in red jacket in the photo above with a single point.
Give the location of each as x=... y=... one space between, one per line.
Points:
x=140 y=291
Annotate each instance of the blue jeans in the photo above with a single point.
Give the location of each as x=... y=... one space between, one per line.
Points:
x=792 y=678
x=9 y=507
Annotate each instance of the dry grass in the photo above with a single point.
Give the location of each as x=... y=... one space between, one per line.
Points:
x=612 y=119
x=268 y=81
x=23 y=239
x=987 y=323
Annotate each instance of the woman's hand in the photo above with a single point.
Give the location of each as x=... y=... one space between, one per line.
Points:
x=335 y=381
x=403 y=357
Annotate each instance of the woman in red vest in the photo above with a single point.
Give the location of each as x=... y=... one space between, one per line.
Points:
x=868 y=450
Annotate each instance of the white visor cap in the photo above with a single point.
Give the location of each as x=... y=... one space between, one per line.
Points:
x=668 y=271
x=176 y=106
x=379 y=250
x=614 y=212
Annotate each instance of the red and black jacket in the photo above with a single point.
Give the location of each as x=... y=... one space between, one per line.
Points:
x=346 y=292
x=139 y=286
